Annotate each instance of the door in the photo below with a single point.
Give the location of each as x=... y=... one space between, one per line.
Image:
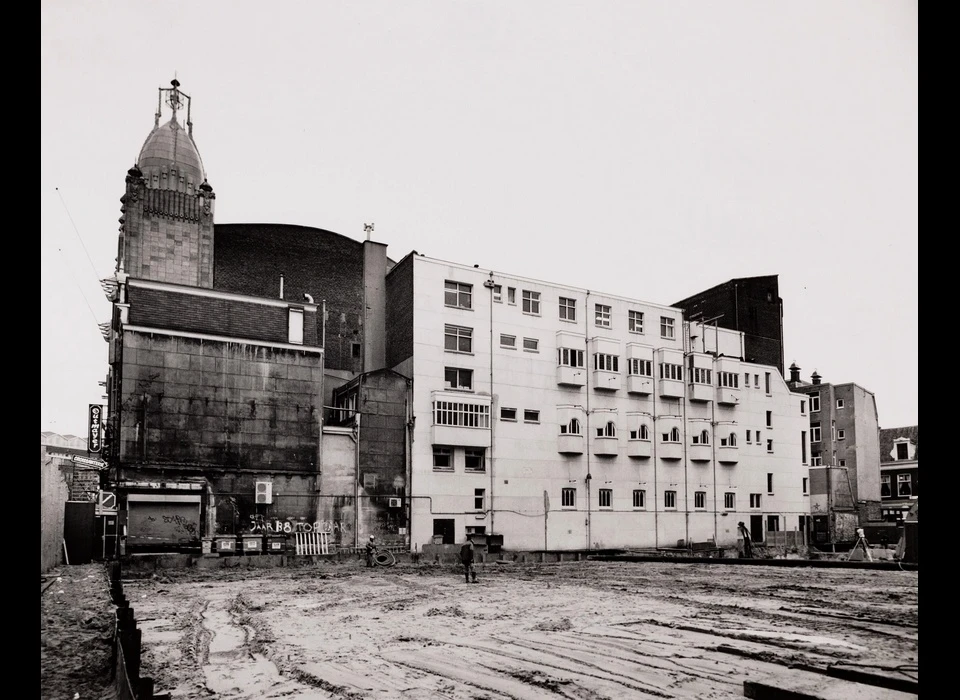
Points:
x=756 y=528
x=78 y=531
x=444 y=528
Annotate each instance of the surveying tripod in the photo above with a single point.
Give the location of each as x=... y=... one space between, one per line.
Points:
x=861 y=543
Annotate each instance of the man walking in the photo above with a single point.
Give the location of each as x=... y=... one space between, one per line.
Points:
x=371 y=549
x=466 y=558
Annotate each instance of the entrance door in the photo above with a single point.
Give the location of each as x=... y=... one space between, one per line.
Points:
x=756 y=528
x=444 y=527
x=78 y=531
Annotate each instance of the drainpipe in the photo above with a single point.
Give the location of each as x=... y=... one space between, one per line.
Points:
x=713 y=424
x=356 y=503
x=586 y=342
x=656 y=512
x=686 y=489
x=489 y=284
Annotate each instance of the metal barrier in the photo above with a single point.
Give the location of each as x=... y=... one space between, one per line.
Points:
x=313 y=543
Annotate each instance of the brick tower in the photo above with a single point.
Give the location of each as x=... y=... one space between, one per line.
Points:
x=166 y=227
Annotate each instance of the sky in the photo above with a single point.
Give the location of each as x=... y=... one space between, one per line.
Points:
x=642 y=148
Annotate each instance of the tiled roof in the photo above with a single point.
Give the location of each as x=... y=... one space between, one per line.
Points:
x=889 y=435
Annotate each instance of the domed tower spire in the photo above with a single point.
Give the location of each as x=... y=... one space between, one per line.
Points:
x=167 y=222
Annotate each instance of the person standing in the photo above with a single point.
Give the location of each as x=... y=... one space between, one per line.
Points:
x=466 y=558
x=371 y=549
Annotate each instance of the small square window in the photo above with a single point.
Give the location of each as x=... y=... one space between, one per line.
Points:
x=473 y=460
x=442 y=459
x=531 y=416
x=458 y=379
x=841 y=463
x=508 y=414
x=498 y=293
x=512 y=295
x=667 y=329
x=602 y=315
x=754 y=500
x=458 y=294
x=635 y=321
x=841 y=434
x=839 y=403
x=568 y=309
x=531 y=302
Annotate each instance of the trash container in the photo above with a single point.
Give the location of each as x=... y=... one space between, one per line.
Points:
x=276 y=544
x=227 y=545
x=252 y=544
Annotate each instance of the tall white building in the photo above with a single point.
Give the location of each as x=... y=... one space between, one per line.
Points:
x=563 y=418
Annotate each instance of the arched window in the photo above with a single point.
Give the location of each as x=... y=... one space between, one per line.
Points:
x=609 y=430
x=674 y=435
x=704 y=438
x=574 y=427
x=733 y=439
x=644 y=432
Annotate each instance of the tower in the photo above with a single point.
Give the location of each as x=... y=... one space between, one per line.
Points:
x=166 y=227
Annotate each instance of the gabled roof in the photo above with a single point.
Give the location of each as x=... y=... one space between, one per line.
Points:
x=888 y=437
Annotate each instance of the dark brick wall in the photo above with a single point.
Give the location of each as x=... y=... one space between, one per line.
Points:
x=174 y=310
x=750 y=305
x=400 y=311
x=250 y=258
x=218 y=404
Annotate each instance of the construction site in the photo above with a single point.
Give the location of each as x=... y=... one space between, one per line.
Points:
x=569 y=625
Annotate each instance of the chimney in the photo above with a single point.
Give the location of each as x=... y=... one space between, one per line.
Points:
x=815 y=378
x=794 y=373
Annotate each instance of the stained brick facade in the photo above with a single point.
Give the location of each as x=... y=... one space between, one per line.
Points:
x=400 y=312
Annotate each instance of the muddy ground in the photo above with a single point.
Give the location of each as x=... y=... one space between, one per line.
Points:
x=585 y=630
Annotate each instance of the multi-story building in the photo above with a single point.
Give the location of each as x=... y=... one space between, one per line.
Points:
x=899 y=471
x=565 y=418
x=844 y=454
x=750 y=305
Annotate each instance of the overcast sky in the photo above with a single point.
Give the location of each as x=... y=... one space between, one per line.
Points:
x=646 y=149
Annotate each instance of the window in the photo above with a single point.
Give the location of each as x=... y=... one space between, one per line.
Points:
x=803 y=446
x=457 y=339
x=602 y=315
x=701 y=438
x=606 y=498
x=667 y=329
x=640 y=368
x=456 y=378
x=904 y=487
x=769 y=445
x=639 y=498
x=730 y=380
x=474 y=460
x=773 y=523
x=498 y=293
x=746 y=380
x=642 y=433
x=730 y=441
x=568 y=309
x=700 y=499
x=815 y=402
x=512 y=295
x=531 y=345
x=769 y=482
x=355 y=350
x=902 y=451
x=700 y=375
x=669 y=499
x=531 y=416
x=757 y=433
x=295 y=326
x=570 y=358
x=729 y=500
x=803 y=408
x=816 y=461
x=670 y=371
x=568 y=498
x=530 y=302
x=841 y=463
x=479 y=496
x=571 y=428
x=508 y=341
x=608 y=430
x=839 y=403
x=672 y=436
x=756 y=381
x=885 y=486
x=767 y=380
x=442 y=459
x=769 y=419
x=508 y=414
x=815 y=432
x=806 y=487
x=610 y=363
x=461 y=414
x=635 y=321
x=458 y=294
x=754 y=500
x=841 y=434
x=749 y=441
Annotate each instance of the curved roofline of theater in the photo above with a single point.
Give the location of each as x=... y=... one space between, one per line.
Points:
x=266 y=224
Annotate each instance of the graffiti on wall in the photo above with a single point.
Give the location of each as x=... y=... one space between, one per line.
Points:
x=260 y=524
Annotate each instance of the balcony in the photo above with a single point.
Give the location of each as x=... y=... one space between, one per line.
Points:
x=639 y=448
x=700 y=453
x=727 y=454
x=671 y=388
x=670 y=450
x=571 y=376
x=606 y=446
x=727 y=396
x=637 y=384
x=605 y=380
x=569 y=444
x=459 y=421
x=701 y=392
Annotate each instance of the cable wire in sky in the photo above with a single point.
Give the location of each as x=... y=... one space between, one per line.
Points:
x=79 y=289
x=79 y=237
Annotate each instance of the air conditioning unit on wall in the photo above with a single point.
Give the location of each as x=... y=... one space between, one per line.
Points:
x=395 y=502
x=264 y=492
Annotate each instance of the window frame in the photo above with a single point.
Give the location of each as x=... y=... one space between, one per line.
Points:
x=443 y=450
x=699 y=500
x=461 y=290
x=568 y=497
x=531 y=345
x=531 y=415
x=640 y=499
x=730 y=500
x=506 y=418
x=669 y=499
x=603 y=315
x=456 y=332
x=478 y=453
x=567 y=309
x=635 y=321
x=460 y=371
x=605 y=498
x=506 y=345
x=530 y=302
x=668 y=328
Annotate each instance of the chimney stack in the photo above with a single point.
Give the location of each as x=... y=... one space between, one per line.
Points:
x=794 y=373
x=815 y=378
